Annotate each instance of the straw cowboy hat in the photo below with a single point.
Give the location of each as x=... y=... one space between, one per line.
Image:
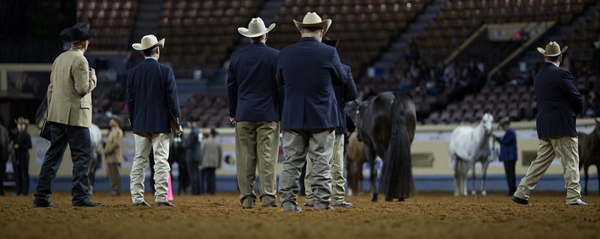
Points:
x=256 y=28
x=78 y=32
x=311 y=19
x=503 y=121
x=552 y=49
x=148 y=41
x=22 y=120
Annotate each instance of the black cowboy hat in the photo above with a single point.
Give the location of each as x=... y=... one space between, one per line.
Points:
x=76 y=33
x=330 y=42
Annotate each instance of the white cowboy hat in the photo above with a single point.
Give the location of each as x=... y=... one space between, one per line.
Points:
x=311 y=19
x=148 y=41
x=552 y=49
x=256 y=28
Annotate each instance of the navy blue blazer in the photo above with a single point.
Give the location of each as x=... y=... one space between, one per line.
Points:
x=343 y=94
x=558 y=102
x=306 y=74
x=152 y=97
x=251 y=86
x=508 y=145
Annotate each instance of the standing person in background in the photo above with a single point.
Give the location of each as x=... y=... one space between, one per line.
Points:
x=508 y=153
x=307 y=72
x=114 y=154
x=69 y=118
x=558 y=103
x=343 y=94
x=4 y=147
x=212 y=154
x=193 y=144
x=22 y=144
x=255 y=109
x=153 y=106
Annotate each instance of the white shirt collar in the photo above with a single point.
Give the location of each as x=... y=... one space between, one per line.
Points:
x=553 y=63
x=149 y=57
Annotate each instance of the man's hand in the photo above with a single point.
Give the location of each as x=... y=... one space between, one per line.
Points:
x=179 y=131
x=92 y=72
x=16 y=146
x=232 y=120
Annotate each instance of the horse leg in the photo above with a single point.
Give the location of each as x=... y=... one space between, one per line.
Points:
x=457 y=171
x=474 y=178
x=586 y=177
x=371 y=158
x=485 y=167
x=465 y=175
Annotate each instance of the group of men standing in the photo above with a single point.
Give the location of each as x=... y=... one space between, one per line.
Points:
x=301 y=89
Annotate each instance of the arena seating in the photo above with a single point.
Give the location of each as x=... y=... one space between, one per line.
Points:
x=203 y=33
x=364 y=27
x=112 y=19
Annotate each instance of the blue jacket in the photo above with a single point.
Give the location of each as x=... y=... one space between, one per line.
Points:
x=251 y=86
x=152 y=97
x=306 y=74
x=508 y=145
x=343 y=94
x=558 y=102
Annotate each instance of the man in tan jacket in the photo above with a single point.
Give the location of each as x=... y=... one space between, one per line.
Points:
x=114 y=154
x=69 y=116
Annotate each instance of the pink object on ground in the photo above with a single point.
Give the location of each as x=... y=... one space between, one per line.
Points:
x=170 y=189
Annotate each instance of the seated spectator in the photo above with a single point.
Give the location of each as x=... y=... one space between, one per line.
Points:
x=465 y=79
x=432 y=86
x=407 y=83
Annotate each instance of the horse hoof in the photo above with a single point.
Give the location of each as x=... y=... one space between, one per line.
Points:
x=388 y=199
x=484 y=193
x=474 y=193
x=374 y=200
x=400 y=199
x=456 y=194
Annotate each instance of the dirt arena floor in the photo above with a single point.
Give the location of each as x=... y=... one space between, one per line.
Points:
x=428 y=215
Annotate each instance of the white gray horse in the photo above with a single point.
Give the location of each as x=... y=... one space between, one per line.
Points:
x=468 y=146
x=97 y=152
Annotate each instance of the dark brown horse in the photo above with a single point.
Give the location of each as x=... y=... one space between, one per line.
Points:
x=589 y=152
x=386 y=125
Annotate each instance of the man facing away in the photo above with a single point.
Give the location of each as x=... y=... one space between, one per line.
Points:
x=193 y=143
x=254 y=108
x=343 y=94
x=70 y=117
x=152 y=101
x=307 y=72
x=212 y=155
x=558 y=103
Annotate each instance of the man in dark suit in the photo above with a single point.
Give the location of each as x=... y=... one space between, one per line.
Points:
x=193 y=154
x=152 y=101
x=254 y=107
x=307 y=72
x=343 y=94
x=558 y=103
x=508 y=153
x=69 y=117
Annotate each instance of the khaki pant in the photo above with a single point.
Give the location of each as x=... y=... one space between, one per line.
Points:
x=143 y=143
x=566 y=150
x=319 y=147
x=112 y=169
x=257 y=145
x=338 y=184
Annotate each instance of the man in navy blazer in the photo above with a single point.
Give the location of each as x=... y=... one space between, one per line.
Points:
x=307 y=72
x=508 y=153
x=152 y=102
x=343 y=94
x=559 y=103
x=254 y=108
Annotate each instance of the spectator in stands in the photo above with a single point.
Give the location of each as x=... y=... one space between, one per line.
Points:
x=255 y=109
x=307 y=72
x=193 y=144
x=113 y=152
x=343 y=94
x=212 y=158
x=499 y=79
x=508 y=153
x=465 y=79
x=22 y=144
x=407 y=83
x=367 y=93
x=4 y=147
x=432 y=86
x=412 y=52
x=70 y=116
x=596 y=54
x=558 y=103
x=153 y=106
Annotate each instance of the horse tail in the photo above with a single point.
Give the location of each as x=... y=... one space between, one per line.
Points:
x=397 y=180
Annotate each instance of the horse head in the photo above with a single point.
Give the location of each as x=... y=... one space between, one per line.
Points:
x=487 y=121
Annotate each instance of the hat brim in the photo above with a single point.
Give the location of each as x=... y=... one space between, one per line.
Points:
x=543 y=51
x=246 y=32
x=65 y=36
x=325 y=24
x=140 y=47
